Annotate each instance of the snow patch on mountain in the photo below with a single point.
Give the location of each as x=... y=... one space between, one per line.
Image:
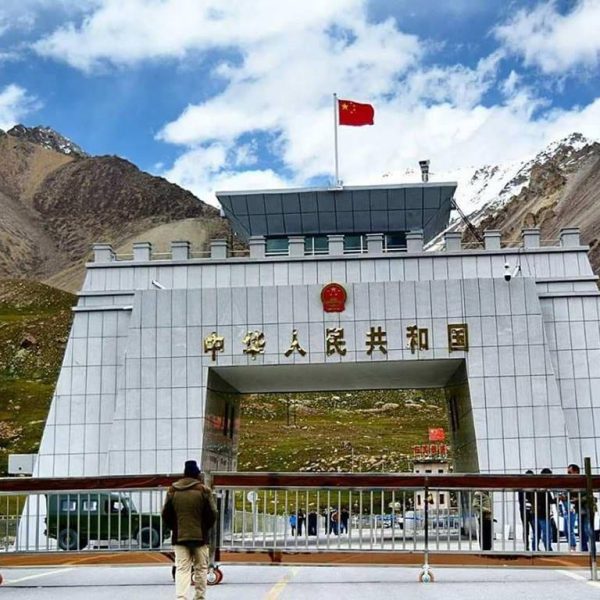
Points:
x=47 y=138
x=487 y=188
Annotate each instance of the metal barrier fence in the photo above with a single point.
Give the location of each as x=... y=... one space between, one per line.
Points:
x=315 y=517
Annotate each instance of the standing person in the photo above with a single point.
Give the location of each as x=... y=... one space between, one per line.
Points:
x=334 y=521
x=312 y=522
x=525 y=512
x=542 y=502
x=190 y=512
x=293 y=521
x=482 y=505
x=344 y=518
x=580 y=513
x=301 y=520
x=567 y=511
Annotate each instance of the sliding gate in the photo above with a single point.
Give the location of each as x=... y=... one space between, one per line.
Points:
x=311 y=518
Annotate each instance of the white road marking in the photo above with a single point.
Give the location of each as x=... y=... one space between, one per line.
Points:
x=37 y=576
x=579 y=577
x=571 y=574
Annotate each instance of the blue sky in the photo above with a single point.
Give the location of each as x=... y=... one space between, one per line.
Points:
x=237 y=94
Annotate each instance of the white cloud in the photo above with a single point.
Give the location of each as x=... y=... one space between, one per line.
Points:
x=15 y=103
x=552 y=41
x=205 y=171
x=123 y=33
x=275 y=96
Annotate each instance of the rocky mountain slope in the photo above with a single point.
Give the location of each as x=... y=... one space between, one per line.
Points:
x=56 y=201
x=558 y=187
x=563 y=190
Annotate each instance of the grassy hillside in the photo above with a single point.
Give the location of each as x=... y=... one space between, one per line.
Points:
x=34 y=326
x=344 y=431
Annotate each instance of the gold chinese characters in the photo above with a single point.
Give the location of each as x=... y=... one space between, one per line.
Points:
x=255 y=343
x=295 y=345
x=458 y=337
x=376 y=338
x=335 y=341
x=214 y=343
x=418 y=338
x=376 y=341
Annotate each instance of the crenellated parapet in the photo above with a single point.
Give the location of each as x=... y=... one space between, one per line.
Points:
x=372 y=245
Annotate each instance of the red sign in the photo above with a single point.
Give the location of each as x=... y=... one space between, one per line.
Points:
x=437 y=434
x=333 y=297
x=430 y=450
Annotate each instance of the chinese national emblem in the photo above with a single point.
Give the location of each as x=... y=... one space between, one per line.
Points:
x=333 y=297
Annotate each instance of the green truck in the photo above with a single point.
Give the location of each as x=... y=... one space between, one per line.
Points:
x=75 y=519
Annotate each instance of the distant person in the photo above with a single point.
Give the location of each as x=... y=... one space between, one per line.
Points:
x=190 y=513
x=482 y=505
x=580 y=507
x=312 y=522
x=334 y=521
x=293 y=522
x=542 y=506
x=301 y=521
x=526 y=513
x=344 y=518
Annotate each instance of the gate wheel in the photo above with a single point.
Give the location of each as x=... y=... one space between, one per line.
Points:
x=426 y=576
x=214 y=576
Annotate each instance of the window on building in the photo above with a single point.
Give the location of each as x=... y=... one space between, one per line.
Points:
x=440 y=470
x=395 y=241
x=442 y=498
x=316 y=244
x=277 y=246
x=418 y=498
x=427 y=470
x=355 y=244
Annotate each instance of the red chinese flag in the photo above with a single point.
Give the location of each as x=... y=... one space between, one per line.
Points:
x=437 y=434
x=355 y=113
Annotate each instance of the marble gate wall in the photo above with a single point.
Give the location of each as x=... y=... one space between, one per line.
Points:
x=132 y=392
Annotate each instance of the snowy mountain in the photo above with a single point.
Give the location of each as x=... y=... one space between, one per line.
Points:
x=47 y=138
x=484 y=191
x=558 y=187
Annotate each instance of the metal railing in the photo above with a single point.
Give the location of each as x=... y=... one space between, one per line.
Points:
x=314 y=516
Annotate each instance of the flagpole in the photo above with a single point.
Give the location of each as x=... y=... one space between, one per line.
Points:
x=335 y=139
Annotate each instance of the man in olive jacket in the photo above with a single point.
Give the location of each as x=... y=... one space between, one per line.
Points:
x=190 y=512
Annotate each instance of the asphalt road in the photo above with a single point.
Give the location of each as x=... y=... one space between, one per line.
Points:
x=300 y=583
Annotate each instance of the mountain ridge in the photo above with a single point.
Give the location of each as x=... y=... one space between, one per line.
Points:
x=47 y=138
x=56 y=201
x=545 y=191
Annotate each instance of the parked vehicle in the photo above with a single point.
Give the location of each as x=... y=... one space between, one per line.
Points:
x=387 y=521
x=75 y=519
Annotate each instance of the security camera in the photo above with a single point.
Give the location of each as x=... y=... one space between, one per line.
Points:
x=424 y=166
x=157 y=285
x=509 y=274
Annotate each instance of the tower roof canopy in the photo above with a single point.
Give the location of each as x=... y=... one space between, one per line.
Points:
x=340 y=210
